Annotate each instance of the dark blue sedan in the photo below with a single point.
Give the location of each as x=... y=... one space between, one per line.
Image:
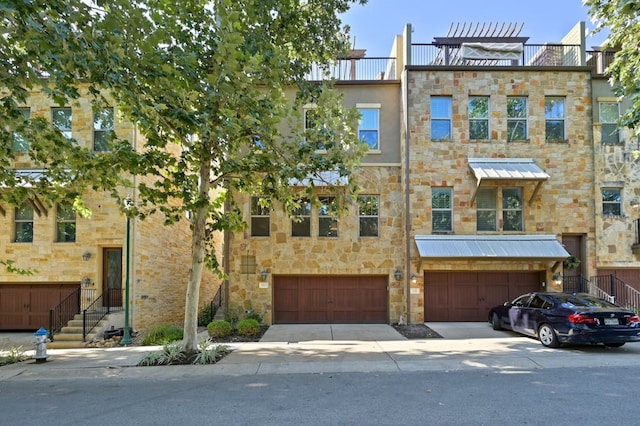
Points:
x=557 y=318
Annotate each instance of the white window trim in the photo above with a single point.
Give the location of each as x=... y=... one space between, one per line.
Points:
x=378 y=107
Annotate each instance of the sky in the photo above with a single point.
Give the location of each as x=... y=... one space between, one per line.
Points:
x=374 y=25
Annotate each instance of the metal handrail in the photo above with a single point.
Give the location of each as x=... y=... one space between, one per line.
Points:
x=216 y=302
x=621 y=292
x=98 y=309
x=63 y=312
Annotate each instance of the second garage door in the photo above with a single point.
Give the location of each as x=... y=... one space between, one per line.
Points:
x=468 y=296
x=330 y=300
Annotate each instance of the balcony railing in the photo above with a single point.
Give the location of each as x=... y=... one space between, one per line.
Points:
x=599 y=60
x=361 y=69
x=538 y=55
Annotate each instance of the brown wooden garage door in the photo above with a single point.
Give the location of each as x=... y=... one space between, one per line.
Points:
x=468 y=296
x=26 y=306
x=330 y=300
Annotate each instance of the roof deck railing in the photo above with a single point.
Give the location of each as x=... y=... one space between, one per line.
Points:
x=356 y=69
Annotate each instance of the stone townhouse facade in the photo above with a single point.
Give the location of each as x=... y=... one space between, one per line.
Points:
x=68 y=252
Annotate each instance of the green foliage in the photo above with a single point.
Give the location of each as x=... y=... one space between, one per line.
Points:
x=232 y=315
x=171 y=354
x=162 y=334
x=251 y=314
x=12 y=355
x=248 y=327
x=205 y=316
x=210 y=355
x=218 y=329
x=10 y=267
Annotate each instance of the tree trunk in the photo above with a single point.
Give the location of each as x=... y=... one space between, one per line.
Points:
x=198 y=235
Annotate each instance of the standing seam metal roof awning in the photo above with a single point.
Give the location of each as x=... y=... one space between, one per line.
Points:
x=24 y=178
x=487 y=247
x=508 y=169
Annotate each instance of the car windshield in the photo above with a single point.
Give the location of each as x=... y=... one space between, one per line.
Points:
x=583 y=301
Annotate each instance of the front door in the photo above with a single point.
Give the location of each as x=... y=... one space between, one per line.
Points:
x=112 y=276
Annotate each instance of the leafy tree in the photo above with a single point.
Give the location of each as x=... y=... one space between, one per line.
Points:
x=622 y=18
x=216 y=88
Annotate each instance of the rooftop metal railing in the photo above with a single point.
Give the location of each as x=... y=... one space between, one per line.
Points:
x=356 y=69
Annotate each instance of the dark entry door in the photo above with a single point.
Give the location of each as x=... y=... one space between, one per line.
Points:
x=112 y=276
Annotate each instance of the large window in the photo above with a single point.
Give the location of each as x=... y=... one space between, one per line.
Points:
x=554 y=118
x=65 y=223
x=609 y=115
x=479 y=117
x=327 y=222
x=23 y=224
x=61 y=119
x=611 y=202
x=440 y=117
x=301 y=222
x=102 y=129
x=512 y=209
x=486 y=209
x=369 y=127
x=260 y=217
x=369 y=215
x=442 y=209
x=517 y=118
x=20 y=143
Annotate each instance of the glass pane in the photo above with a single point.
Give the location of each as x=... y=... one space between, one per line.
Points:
x=370 y=137
x=611 y=209
x=114 y=269
x=554 y=108
x=61 y=119
x=479 y=107
x=327 y=227
x=65 y=212
x=369 y=118
x=257 y=209
x=440 y=129
x=512 y=198
x=100 y=141
x=368 y=205
x=609 y=112
x=486 y=198
x=260 y=226
x=478 y=129
x=24 y=232
x=440 y=107
x=103 y=120
x=301 y=227
x=328 y=206
x=441 y=220
x=66 y=232
x=486 y=220
x=610 y=134
x=441 y=198
x=20 y=143
x=512 y=220
x=310 y=118
x=24 y=212
x=611 y=195
x=368 y=226
x=516 y=130
x=554 y=130
x=517 y=107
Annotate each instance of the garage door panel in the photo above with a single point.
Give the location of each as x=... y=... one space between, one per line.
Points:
x=27 y=306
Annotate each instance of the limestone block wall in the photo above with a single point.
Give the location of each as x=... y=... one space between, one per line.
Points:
x=348 y=254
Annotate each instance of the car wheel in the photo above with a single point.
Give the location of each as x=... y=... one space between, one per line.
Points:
x=547 y=336
x=495 y=322
x=614 y=345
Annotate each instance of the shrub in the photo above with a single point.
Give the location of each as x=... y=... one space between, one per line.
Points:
x=248 y=327
x=231 y=315
x=12 y=355
x=251 y=314
x=205 y=316
x=163 y=334
x=219 y=328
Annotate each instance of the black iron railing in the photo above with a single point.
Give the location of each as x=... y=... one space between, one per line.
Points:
x=575 y=284
x=356 y=69
x=109 y=301
x=619 y=292
x=636 y=224
x=216 y=303
x=63 y=312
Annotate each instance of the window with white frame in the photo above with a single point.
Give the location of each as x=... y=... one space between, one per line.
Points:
x=327 y=212
x=609 y=116
x=512 y=217
x=611 y=202
x=442 y=209
x=478 y=117
x=20 y=143
x=102 y=129
x=369 y=126
x=23 y=223
x=517 y=114
x=61 y=119
x=486 y=209
x=369 y=215
x=441 y=117
x=65 y=223
x=260 y=217
x=301 y=221
x=554 y=117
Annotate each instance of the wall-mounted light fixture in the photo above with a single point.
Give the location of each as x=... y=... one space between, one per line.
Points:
x=397 y=274
x=557 y=278
x=86 y=256
x=86 y=281
x=414 y=278
x=263 y=274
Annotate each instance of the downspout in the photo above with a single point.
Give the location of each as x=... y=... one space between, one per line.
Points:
x=407 y=207
x=225 y=261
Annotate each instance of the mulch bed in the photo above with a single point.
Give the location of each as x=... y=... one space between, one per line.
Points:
x=416 y=331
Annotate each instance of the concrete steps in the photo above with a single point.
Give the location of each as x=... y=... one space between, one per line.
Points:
x=71 y=335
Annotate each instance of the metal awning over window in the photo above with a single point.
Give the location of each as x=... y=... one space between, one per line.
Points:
x=26 y=178
x=533 y=247
x=520 y=169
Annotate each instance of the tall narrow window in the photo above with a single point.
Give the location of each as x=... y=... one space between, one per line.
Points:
x=486 y=212
x=327 y=222
x=368 y=213
x=512 y=209
x=479 y=117
x=260 y=217
x=24 y=223
x=442 y=209
x=609 y=115
x=517 y=118
x=554 y=118
x=20 y=143
x=369 y=127
x=611 y=202
x=65 y=223
x=61 y=119
x=301 y=222
x=102 y=129
x=440 y=117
